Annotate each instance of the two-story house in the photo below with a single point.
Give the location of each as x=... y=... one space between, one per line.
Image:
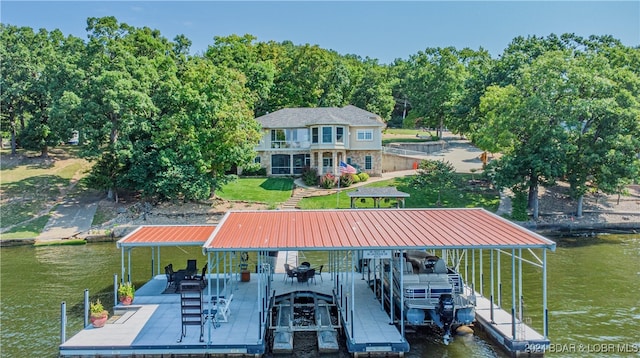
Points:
x=320 y=138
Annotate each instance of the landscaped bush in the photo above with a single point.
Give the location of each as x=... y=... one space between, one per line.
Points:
x=346 y=180
x=355 y=178
x=309 y=176
x=254 y=172
x=328 y=181
x=363 y=176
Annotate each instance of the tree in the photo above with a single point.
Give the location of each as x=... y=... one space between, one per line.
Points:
x=435 y=85
x=528 y=128
x=602 y=112
x=438 y=174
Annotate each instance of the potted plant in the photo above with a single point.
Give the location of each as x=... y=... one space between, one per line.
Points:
x=98 y=314
x=126 y=291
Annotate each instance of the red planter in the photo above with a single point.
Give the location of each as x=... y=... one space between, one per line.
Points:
x=98 y=322
x=126 y=300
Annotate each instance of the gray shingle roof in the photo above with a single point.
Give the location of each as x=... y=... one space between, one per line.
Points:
x=303 y=117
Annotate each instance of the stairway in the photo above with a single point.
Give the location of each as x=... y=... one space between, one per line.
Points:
x=292 y=203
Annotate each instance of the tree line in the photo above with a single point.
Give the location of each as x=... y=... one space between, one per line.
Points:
x=170 y=125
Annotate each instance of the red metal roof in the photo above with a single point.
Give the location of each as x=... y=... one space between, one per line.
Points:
x=168 y=235
x=369 y=229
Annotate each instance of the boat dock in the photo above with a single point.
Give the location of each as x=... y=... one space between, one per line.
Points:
x=512 y=335
x=151 y=326
x=252 y=315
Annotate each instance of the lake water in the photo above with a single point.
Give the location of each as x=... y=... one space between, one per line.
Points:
x=594 y=298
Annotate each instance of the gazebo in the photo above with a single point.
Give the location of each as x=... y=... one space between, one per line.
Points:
x=377 y=194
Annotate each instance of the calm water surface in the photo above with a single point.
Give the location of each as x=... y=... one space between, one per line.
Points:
x=594 y=298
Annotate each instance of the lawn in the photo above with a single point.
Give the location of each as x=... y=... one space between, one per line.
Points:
x=272 y=191
x=463 y=196
x=30 y=183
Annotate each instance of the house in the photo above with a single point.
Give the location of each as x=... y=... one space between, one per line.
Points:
x=320 y=138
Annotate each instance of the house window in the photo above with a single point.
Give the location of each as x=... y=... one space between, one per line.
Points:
x=300 y=161
x=364 y=135
x=314 y=135
x=339 y=134
x=326 y=135
x=349 y=160
x=257 y=160
x=327 y=162
x=367 y=162
x=278 y=138
x=280 y=164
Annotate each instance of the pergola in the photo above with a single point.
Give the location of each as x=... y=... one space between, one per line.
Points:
x=377 y=194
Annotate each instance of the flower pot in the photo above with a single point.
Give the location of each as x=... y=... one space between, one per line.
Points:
x=99 y=321
x=126 y=300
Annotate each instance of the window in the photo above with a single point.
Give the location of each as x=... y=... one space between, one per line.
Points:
x=280 y=164
x=326 y=135
x=349 y=160
x=364 y=135
x=257 y=160
x=339 y=134
x=327 y=162
x=300 y=161
x=314 y=135
x=367 y=162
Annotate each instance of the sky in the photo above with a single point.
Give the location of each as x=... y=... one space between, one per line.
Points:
x=382 y=30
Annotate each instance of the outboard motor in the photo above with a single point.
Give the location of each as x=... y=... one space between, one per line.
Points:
x=446 y=313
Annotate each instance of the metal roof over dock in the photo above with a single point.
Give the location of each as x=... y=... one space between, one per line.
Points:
x=357 y=229
x=167 y=235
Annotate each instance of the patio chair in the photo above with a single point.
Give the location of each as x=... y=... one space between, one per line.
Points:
x=319 y=273
x=192 y=268
x=305 y=263
x=170 y=275
x=287 y=268
x=202 y=277
x=291 y=275
x=311 y=275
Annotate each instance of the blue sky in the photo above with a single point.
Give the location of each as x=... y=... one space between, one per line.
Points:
x=384 y=30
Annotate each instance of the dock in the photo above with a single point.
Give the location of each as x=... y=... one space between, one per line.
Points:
x=501 y=329
x=151 y=326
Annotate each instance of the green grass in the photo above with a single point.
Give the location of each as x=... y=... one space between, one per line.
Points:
x=30 y=183
x=61 y=242
x=262 y=190
x=463 y=196
x=28 y=230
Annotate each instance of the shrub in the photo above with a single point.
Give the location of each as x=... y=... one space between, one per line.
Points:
x=309 y=176
x=355 y=178
x=328 y=181
x=346 y=179
x=363 y=176
x=255 y=172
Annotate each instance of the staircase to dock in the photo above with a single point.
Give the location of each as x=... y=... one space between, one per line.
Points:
x=298 y=194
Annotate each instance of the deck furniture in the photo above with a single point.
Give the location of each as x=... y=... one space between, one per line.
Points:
x=290 y=273
x=192 y=267
x=170 y=275
x=202 y=277
x=301 y=273
x=221 y=308
x=191 y=307
x=311 y=276
x=319 y=273
x=305 y=263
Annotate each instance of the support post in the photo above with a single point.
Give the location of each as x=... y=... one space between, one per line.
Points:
x=86 y=307
x=545 y=312
x=63 y=322
x=115 y=289
x=513 y=293
x=492 y=285
x=499 y=266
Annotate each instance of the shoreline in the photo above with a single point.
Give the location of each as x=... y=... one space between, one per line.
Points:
x=550 y=225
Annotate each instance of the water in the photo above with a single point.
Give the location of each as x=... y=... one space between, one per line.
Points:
x=594 y=297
